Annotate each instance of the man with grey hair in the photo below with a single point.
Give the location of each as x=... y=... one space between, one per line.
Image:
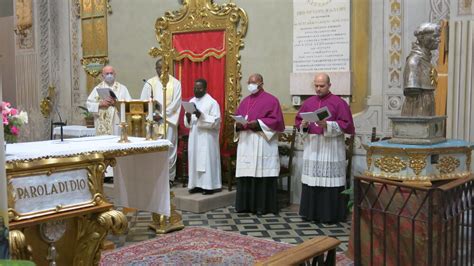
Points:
x=420 y=76
x=104 y=108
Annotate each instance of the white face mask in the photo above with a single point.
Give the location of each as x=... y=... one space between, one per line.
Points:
x=253 y=88
x=109 y=78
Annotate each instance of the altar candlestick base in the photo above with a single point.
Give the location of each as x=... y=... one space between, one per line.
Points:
x=123 y=133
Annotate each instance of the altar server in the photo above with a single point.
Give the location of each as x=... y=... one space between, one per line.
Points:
x=324 y=157
x=258 y=162
x=107 y=119
x=173 y=107
x=204 y=161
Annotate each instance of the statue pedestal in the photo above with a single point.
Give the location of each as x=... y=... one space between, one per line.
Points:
x=419 y=164
x=422 y=130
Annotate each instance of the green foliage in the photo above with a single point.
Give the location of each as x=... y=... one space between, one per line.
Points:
x=85 y=112
x=350 y=193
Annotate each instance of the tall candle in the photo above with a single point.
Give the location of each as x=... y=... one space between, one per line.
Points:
x=150 y=109
x=122 y=112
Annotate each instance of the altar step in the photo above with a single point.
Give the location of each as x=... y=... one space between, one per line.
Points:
x=197 y=202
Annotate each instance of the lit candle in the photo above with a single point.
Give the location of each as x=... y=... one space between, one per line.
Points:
x=122 y=112
x=150 y=110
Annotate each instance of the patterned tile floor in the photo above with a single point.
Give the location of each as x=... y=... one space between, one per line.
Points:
x=286 y=227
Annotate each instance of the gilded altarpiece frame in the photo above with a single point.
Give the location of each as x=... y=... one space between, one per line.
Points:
x=202 y=16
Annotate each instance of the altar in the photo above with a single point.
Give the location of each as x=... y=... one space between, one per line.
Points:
x=57 y=209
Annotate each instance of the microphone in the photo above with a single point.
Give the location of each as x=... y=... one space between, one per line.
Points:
x=151 y=87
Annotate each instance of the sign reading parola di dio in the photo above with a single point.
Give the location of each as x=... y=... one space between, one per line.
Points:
x=40 y=193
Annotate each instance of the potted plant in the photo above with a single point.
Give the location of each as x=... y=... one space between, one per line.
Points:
x=88 y=117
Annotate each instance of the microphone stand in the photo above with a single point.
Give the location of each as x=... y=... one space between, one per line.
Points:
x=60 y=124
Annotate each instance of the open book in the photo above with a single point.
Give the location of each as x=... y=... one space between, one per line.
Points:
x=189 y=107
x=318 y=115
x=106 y=92
x=239 y=119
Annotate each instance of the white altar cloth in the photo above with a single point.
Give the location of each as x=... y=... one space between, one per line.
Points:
x=141 y=180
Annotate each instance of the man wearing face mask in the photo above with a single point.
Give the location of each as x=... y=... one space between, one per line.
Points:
x=107 y=116
x=173 y=108
x=204 y=161
x=258 y=161
x=323 y=176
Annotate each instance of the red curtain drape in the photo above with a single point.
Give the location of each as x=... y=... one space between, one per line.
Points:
x=208 y=49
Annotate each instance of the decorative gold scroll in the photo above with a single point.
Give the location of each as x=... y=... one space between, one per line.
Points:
x=447 y=164
x=390 y=164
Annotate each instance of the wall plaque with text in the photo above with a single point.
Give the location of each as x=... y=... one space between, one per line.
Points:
x=321 y=43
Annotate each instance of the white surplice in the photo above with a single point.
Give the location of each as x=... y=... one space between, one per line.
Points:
x=257 y=153
x=324 y=158
x=173 y=107
x=107 y=120
x=204 y=159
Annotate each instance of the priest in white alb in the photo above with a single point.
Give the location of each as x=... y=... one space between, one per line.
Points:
x=204 y=161
x=107 y=119
x=173 y=107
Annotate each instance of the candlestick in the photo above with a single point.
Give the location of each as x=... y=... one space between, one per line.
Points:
x=122 y=112
x=150 y=110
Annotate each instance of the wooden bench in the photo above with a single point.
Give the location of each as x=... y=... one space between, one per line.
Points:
x=320 y=250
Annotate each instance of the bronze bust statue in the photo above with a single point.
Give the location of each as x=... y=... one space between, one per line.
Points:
x=420 y=76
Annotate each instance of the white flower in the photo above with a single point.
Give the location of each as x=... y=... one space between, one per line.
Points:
x=23 y=117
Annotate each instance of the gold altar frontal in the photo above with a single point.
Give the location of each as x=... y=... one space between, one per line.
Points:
x=71 y=233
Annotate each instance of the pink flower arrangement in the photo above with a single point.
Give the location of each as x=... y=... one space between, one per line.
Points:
x=12 y=121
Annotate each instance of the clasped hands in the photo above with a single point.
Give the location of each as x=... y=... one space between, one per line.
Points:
x=321 y=123
x=253 y=125
x=106 y=102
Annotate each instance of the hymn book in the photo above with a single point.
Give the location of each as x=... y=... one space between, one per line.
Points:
x=106 y=92
x=189 y=107
x=318 y=115
x=239 y=119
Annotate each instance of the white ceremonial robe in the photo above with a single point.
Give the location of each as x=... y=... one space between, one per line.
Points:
x=173 y=107
x=257 y=153
x=204 y=160
x=324 y=158
x=107 y=120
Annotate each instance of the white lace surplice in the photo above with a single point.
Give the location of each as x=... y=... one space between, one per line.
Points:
x=324 y=158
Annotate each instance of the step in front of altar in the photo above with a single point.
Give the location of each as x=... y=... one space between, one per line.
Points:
x=197 y=202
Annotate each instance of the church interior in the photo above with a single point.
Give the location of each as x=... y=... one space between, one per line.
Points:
x=237 y=132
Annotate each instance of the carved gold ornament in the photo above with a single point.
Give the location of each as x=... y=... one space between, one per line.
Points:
x=92 y=230
x=417 y=162
x=447 y=164
x=390 y=164
x=19 y=249
x=93 y=65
